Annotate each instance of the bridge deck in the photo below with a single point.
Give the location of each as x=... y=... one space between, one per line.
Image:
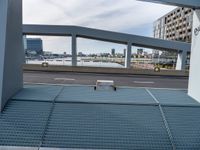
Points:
x=81 y=118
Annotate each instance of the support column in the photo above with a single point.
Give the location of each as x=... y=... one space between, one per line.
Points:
x=11 y=49
x=194 y=78
x=181 y=60
x=74 y=50
x=128 y=55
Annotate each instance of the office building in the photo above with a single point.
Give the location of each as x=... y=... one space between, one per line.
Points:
x=34 y=45
x=113 y=52
x=176 y=25
x=124 y=52
x=140 y=51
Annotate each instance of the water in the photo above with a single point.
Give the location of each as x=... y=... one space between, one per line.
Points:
x=67 y=62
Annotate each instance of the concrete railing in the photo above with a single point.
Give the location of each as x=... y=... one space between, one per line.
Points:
x=122 y=38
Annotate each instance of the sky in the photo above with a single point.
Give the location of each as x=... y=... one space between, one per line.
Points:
x=126 y=16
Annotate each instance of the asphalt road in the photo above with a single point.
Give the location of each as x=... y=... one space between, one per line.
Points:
x=120 y=80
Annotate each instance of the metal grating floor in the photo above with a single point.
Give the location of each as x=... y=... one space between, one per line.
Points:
x=38 y=93
x=79 y=117
x=22 y=123
x=184 y=123
x=88 y=94
x=174 y=97
x=99 y=126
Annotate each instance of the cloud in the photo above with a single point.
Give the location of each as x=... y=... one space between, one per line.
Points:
x=129 y=16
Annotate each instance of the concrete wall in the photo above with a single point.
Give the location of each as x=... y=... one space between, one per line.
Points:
x=11 y=49
x=194 y=79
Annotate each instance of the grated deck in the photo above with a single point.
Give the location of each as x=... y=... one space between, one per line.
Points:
x=79 y=117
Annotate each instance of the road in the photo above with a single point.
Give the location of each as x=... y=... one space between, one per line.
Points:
x=120 y=80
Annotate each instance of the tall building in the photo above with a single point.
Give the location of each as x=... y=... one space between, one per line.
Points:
x=176 y=25
x=113 y=52
x=124 y=52
x=34 y=44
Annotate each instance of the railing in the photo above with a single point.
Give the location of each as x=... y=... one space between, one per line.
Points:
x=121 y=38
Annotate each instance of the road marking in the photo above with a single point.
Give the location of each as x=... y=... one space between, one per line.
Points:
x=64 y=79
x=57 y=84
x=34 y=76
x=144 y=82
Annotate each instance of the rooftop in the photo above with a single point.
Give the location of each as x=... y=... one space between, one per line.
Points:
x=78 y=117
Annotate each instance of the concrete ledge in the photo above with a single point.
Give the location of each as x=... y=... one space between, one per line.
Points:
x=51 y=68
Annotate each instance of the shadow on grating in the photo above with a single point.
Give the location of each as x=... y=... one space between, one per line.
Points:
x=88 y=94
x=38 y=93
x=184 y=124
x=22 y=123
x=104 y=126
x=173 y=97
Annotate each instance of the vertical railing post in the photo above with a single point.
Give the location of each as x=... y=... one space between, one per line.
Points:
x=74 y=50
x=181 y=60
x=128 y=55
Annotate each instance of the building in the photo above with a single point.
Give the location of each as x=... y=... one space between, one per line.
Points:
x=124 y=52
x=176 y=25
x=113 y=52
x=140 y=51
x=34 y=44
x=80 y=54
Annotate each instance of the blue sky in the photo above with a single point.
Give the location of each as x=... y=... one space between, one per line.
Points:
x=128 y=16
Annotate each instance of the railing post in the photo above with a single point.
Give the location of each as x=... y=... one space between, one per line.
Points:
x=181 y=60
x=74 y=50
x=128 y=55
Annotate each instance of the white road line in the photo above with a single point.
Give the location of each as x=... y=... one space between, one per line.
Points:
x=64 y=79
x=55 y=84
x=144 y=82
x=35 y=77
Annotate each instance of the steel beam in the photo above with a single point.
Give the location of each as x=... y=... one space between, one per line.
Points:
x=181 y=3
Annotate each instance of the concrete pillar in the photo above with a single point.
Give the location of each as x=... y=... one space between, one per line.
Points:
x=74 y=50
x=128 y=55
x=11 y=49
x=194 y=78
x=181 y=60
